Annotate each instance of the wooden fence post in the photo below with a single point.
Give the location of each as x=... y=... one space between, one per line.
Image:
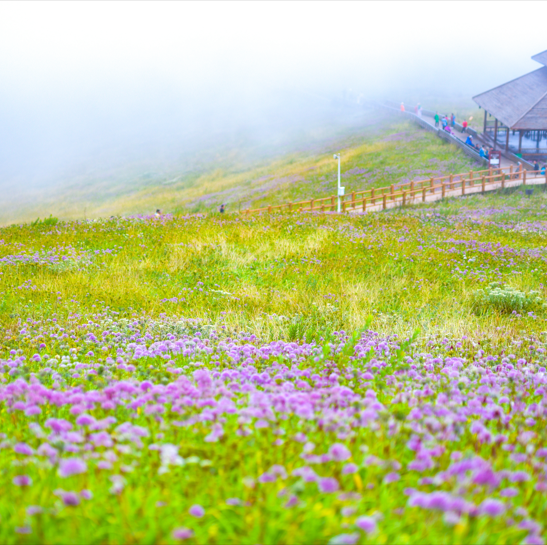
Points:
x=404 y=198
x=451 y=181
x=343 y=206
x=520 y=171
x=483 y=184
x=392 y=191
x=503 y=180
x=364 y=205
x=431 y=184
x=423 y=194
x=524 y=177
x=322 y=208
x=332 y=203
x=353 y=195
x=373 y=200
x=463 y=186
x=311 y=204
x=443 y=191
x=412 y=185
x=511 y=172
x=290 y=207
x=384 y=201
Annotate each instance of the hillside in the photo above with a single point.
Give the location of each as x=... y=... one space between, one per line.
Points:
x=293 y=162
x=296 y=378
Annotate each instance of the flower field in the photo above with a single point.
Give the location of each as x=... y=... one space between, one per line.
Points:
x=302 y=378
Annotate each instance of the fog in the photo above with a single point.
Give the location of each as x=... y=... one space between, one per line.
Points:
x=89 y=87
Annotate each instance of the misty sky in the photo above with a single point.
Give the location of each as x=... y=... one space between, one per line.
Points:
x=79 y=78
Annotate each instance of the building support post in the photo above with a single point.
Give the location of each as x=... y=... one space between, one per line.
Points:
x=485 y=115
x=507 y=141
x=520 y=141
x=495 y=133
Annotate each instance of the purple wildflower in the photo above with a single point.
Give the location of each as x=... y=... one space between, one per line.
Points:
x=367 y=524
x=328 y=484
x=182 y=533
x=22 y=480
x=339 y=452
x=23 y=448
x=349 y=468
x=70 y=498
x=492 y=508
x=197 y=511
x=71 y=466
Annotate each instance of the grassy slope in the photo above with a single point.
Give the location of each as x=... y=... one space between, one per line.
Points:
x=376 y=151
x=291 y=277
x=317 y=273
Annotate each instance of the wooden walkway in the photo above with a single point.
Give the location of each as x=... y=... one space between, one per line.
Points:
x=415 y=192
x=438 y=194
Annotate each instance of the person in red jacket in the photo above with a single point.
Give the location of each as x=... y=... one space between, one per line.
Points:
x=464 y=125
x=402 y=107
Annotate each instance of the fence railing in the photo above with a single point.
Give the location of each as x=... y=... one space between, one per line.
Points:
x=410 y=192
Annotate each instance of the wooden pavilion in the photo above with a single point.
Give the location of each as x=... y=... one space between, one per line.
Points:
x=520 y=107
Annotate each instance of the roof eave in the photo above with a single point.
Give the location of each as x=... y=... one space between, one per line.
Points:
x=504 y=121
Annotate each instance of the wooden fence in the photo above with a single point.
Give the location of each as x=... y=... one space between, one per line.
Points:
x=408 y=193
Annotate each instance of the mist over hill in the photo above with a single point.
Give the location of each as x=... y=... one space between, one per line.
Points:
x=105 y=100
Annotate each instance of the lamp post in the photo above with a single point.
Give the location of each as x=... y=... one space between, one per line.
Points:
x=340 y=188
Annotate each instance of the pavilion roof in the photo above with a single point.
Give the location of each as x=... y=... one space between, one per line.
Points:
x=520 y=103
x=541 y=58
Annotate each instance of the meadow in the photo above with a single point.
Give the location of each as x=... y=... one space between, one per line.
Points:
x=291 y=378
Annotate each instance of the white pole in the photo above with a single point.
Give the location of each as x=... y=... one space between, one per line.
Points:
x=339 y=198
x=337 y=156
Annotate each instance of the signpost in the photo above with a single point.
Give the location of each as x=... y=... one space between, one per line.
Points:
x=494 y=159
x=340 y=188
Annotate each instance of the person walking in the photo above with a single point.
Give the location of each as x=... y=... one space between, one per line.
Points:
x=402 y=106
x=419 y=109
x=221 y=209
x=536 y=166
x=453 y=120
x=436 y=119
x=464 y=125
x=469 y=141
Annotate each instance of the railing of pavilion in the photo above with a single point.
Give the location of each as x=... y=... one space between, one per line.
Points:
x=408 y=193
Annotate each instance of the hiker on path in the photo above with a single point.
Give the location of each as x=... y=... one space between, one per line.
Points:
x=536 y=166
x=402 y=106
x=436 y=119
x=444 y=122
x=419 y=109
x=158 y=213
x=482 y=153
x=469 y=141
x=221 y=210
x=453 y=120
x=464 y=125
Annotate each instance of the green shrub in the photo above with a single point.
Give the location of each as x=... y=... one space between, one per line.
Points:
x=46 y=221
x=506 y=299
